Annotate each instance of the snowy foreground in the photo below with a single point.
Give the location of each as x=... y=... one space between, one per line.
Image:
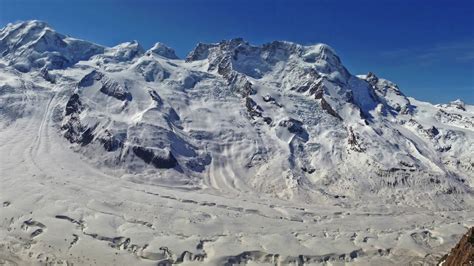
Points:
x=239 y=154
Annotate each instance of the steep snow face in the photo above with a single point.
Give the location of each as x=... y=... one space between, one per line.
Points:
x=281 y=118
x=124 y=52
x=161 y=49
x=33 y=44
x=348 y=126
x=388 y=94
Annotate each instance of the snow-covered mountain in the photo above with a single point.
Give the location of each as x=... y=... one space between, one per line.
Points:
x=282 y=120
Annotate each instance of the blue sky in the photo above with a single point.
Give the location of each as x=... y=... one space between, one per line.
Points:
x=425 y=46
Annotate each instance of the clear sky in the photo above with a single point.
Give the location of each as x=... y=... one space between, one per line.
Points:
x=425 y=46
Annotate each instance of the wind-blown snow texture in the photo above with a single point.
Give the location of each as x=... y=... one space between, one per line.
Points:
x=238 y=153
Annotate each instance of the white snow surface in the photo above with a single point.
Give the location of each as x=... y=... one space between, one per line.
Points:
x=238 y=154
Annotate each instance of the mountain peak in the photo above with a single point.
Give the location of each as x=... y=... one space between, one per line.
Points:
x=275 y=50
x=34 y=44
x=28 y=24
x=13 y=36
x=162 y=50
x=36 y=23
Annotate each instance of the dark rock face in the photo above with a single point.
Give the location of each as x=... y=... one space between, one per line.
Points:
x=247 y=89
x=458 y=104
x=222 y=58
x=86 y=137
x=295 y=127
x=267 y=120
x=109 y=87
x=47 y=76
x=154 y=95
x=238 y=81
x=199 y=164
x=280 y=50
x=267 y=98
x=317 y=89
x=444 y=148
x=253 y=108
x=353 y=141
x=309 y=77
x=308 y=170
x=89 y=79
x=325 y=105
x=116 y=92
x=433 y=131
x=74 y=105
x=74 y=131
x=111 y=142
x=371 y=78
x=158 y=161
x=200 y=52
x=462 y=253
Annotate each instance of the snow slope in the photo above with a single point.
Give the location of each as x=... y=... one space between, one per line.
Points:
x=237 y=154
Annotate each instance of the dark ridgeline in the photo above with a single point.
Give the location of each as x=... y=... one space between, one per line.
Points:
x=462 y=253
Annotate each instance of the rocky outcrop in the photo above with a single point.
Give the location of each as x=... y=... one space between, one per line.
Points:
x=372 y=79
x=76 y=132
x=109 y=87
x=73 y=129
x=89 y=79
x=293 y=125
x=318 y=89
x=456 y=104
x=157 y=160
x=388 y=93
x=327 y=107
x=463 y=253
x=200 y=52
x=444 y=116
x=269 y=99
x=253 y=109
x=353 y=141
x=111 y=142
x=296 y=127
x=74 y=105
x=154 y=95
x=114 y=89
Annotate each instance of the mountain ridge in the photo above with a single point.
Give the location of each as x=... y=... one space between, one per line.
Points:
x=354 y=120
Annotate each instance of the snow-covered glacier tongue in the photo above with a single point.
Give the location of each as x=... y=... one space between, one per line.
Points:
x=235 y=154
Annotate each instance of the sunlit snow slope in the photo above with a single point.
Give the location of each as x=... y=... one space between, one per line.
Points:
x=238 y=153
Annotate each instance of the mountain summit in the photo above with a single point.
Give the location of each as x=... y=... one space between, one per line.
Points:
x=33 y=44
